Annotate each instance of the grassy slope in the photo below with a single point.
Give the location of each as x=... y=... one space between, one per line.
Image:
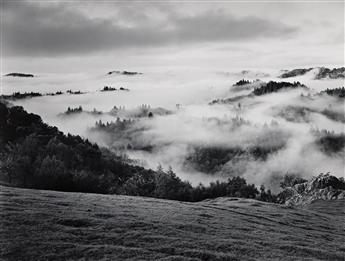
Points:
x=41 y=225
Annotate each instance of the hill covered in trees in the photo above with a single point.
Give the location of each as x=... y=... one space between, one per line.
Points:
x=19 y=95
x=213 y=159
x=330 y=142
x=27 y=75
x=273 y=86
x=36 y=155
x=258 y=88
x=124 y=73
x=24 y=95
x=335 y=73
x=322 y=73
x=336 y=92
x=295 y=72
x=300 y=114
x=242 y=82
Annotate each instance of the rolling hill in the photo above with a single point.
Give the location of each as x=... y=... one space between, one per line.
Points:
x=48 y=225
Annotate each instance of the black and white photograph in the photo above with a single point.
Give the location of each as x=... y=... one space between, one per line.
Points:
x=172 y=130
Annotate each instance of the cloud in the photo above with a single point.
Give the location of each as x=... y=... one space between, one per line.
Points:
x=31 y=29
x=218 y=26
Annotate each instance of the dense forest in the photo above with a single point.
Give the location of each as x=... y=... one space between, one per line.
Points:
x=74 y=110
x=273 y=86
x=295 y=113
x=122 y=134
x=124 y=73
x=333 y=115
x=330 y=142
x=260 y=88
x=108 y=89
x=212 y=159
x=334 y=73
x=301 y=114
x=20 y=75
x=295 y=72
x=336 y=92
x=36 y=155
x=323 y=72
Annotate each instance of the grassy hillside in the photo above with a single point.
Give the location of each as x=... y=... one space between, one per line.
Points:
x=46 y=225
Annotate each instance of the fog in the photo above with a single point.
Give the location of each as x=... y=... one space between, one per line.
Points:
x=251 y=121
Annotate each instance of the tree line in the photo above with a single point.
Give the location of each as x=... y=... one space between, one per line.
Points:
x=24 y=95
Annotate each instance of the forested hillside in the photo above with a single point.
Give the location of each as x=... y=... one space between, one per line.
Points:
x=36 y=155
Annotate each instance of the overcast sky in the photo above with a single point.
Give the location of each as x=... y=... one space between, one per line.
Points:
x=84 y=35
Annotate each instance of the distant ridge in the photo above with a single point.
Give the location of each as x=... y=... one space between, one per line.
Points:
x=20 y=75
x=295 y=72
x=124 y=73
x=335 y=73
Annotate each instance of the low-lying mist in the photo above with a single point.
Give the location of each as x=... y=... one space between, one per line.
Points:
x=168 y=119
